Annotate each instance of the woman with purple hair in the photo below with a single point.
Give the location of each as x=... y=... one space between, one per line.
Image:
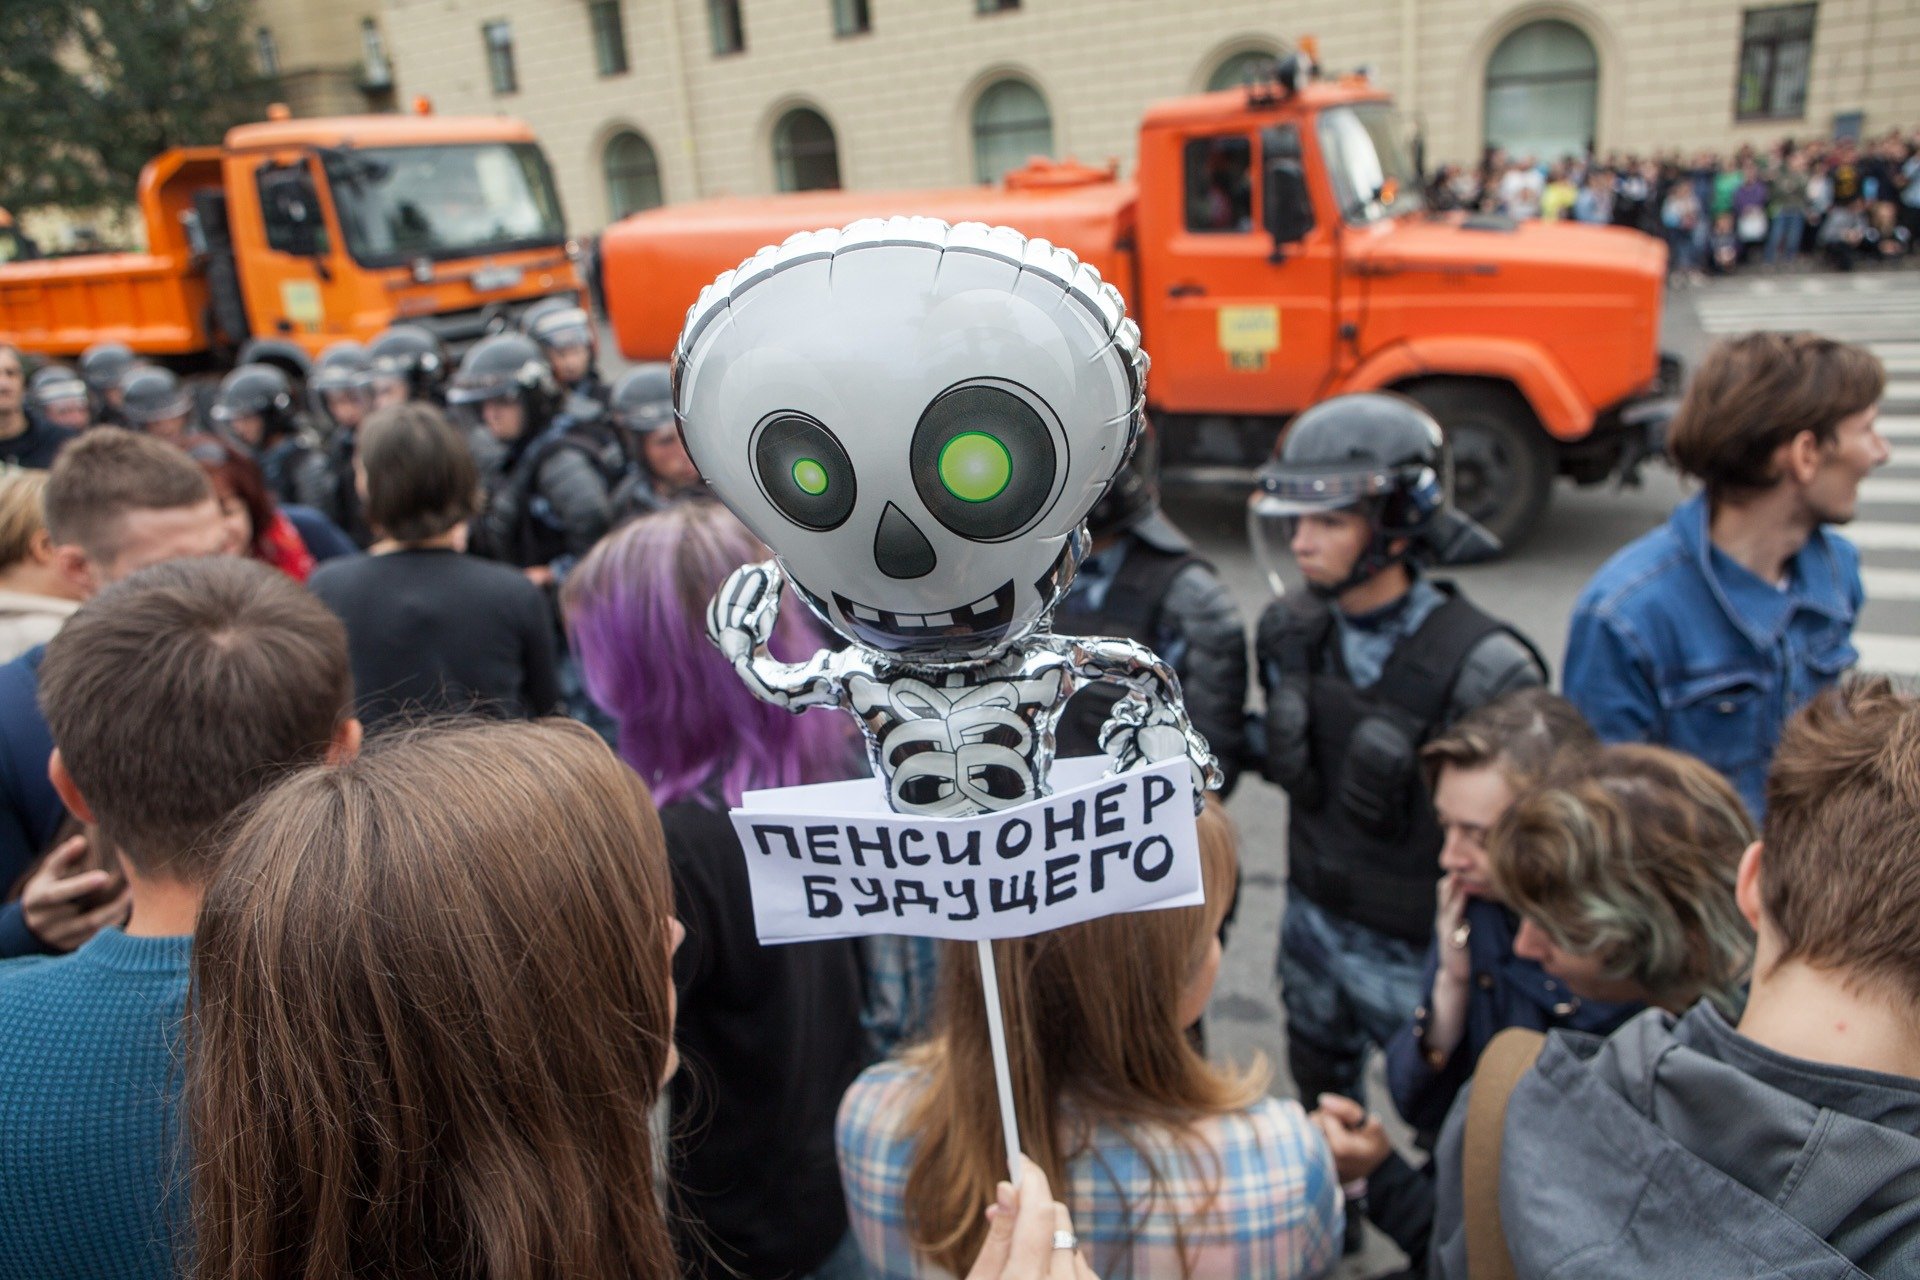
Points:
x=769 y=1037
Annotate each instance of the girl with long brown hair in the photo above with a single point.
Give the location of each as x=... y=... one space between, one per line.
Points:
x=432 y=1015
x=1170 y=1165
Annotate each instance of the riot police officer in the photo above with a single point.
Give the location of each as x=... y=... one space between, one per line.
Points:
x=152 y=400
x=550 y=476
x=340 y=392
x=1143 y=582
x=565 y=333
x=102 y=365
x=1359 y=671
x=255 y=409
x=409 y=363
x=60 y=397
x=641 y=408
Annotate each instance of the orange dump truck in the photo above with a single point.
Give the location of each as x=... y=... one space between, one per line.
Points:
x=1275 y=251
x=312 y=231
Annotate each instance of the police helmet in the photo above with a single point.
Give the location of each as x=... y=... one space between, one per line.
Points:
x=51 y=384
x=150 y=394
x=255 y=390
x=103 y=364
x=1375 y=453
x=558 y=322
x=291 y=357
x=505 y=366
x=642 y=399
x=342 y=367
x=414 y=354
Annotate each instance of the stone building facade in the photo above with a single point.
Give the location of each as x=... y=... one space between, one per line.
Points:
x=639 y=101
x=330 y=55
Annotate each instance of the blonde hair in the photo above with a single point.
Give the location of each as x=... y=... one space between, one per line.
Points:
x=22 y=512
x=1630 y=853
x=1094 y=1008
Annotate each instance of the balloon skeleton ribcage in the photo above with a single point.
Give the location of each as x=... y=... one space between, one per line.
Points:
x=955 y=740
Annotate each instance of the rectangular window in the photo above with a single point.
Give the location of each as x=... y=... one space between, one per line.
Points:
x=267 y=52
x=1776 y=53
x=1219 y=183
x=377 y=72
x=995 y=6
x=723 y=20
x=499 y=40
x=850 y=17
x=609 y=37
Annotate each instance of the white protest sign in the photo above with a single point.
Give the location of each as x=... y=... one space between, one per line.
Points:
x=833 y=861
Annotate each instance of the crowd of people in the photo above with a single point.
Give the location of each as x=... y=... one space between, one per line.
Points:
x=364 y=776
x=1843 y=202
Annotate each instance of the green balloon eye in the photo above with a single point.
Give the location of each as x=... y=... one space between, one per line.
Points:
x=810 y=476
x=975 y=467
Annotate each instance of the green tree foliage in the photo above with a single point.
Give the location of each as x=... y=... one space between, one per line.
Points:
x=90 y=90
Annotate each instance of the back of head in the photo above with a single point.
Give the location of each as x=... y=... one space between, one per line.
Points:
x=1629 y=854
x=1520 y=734
x=22 y=517
x=98 y=479
x=421 y=480
x=1095 y=1009
x=1755 y=393
x=180 y=693
x=431 y=990
x=636 y=610
x=1840 y=879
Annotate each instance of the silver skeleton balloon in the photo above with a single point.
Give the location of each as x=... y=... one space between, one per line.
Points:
x=916 y=419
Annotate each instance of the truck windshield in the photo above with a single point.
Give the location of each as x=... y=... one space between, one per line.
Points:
x=401 y=203
x=1367 y=158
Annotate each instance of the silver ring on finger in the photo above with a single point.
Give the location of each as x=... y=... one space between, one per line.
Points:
x=1065 y=1240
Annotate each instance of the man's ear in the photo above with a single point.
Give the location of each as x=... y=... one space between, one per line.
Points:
x=72 y=564
x=1746 y=885
x=346 y=742
x=68 y=789
x=1799 y=458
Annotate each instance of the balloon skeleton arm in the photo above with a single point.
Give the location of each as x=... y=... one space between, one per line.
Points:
x=1150 y=723
x=740 y=621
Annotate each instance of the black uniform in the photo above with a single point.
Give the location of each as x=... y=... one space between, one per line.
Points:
x=550 y=499
x=35 y=446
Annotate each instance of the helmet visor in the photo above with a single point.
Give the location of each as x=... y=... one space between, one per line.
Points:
x=1297 y=491
x=479 y=392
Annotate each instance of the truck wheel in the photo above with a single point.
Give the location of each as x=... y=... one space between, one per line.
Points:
x=1502 y=461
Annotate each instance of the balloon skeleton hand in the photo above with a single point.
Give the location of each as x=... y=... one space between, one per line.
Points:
x=954 y=740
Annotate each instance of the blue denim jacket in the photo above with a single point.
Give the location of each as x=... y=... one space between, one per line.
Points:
x=1507 y=991
x=1676 y=644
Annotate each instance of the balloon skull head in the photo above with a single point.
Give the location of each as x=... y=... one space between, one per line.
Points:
x=916 y=418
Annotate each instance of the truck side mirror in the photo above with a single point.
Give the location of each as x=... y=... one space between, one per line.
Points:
x=1286 y=208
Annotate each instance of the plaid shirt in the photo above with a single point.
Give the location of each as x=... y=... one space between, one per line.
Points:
x=1276 y=1212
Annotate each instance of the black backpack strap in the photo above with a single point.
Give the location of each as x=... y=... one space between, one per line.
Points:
x=1419 y=676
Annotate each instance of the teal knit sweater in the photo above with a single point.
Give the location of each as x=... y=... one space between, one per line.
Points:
x=90 y=1071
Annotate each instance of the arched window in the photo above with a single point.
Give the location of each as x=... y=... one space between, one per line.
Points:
x=805 y=156
x=1011 y=123
x=633 y=174
x=1242 y=68
x=1542 y=85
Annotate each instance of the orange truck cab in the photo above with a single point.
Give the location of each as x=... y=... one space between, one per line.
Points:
x=1275 y=249
x=312 y=231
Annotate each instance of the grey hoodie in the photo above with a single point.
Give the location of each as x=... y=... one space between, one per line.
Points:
x=1680 y=1150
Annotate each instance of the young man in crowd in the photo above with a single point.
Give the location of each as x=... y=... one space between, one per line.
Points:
x=1707 y=633
x=1360 y=670
x=26 y=439
x=1790 y=1143
x=116 y=502
x=175 y=697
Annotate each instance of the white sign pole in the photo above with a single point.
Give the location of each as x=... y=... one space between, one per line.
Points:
x=1002 y=1073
